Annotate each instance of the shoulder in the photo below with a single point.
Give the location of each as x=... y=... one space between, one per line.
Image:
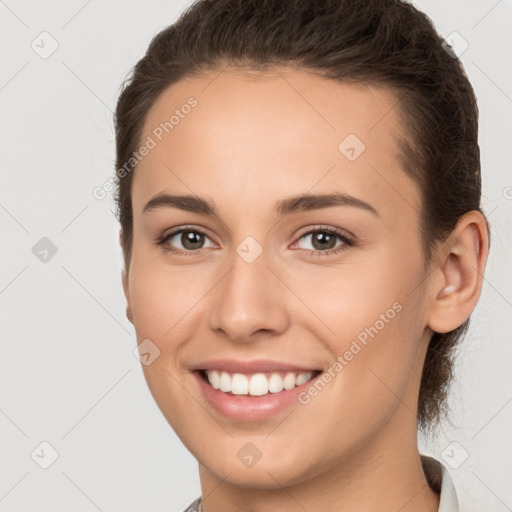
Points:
x=195 y=506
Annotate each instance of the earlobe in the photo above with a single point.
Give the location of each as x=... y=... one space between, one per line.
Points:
x=462 y=274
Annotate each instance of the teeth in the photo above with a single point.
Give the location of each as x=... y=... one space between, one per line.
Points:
x=302 y=377
x=256 y=384
x=289 y=381
x=214 y=379
x=275 y=383
x=225 y=382
x=239 y=384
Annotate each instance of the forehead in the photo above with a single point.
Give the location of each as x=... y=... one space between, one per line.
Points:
x=274 y=133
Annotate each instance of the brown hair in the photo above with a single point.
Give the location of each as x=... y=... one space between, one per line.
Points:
x=380 y=42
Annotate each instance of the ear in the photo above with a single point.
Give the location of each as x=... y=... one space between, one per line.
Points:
x=126 y=287
x=460 y=273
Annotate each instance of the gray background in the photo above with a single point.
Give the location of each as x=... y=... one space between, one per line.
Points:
x=68 y=373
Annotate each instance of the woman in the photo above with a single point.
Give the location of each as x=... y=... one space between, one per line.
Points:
x=298 y=187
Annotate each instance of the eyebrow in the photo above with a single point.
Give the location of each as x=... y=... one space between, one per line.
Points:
x=283 y=207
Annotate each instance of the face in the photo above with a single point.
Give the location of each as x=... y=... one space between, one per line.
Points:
x=270 y=283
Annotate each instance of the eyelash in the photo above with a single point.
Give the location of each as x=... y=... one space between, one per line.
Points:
x=347 y=242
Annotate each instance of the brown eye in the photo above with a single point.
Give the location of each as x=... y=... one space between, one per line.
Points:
x=185 y=241
x=325 y=241
x=322 y=240
x=192 y=240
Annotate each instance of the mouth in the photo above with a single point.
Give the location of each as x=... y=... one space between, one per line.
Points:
x=256 y=384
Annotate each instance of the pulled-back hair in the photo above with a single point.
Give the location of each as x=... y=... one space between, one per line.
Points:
x=387 y=43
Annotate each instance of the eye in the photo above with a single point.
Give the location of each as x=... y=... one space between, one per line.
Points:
x=191 y=240
x=324 y=241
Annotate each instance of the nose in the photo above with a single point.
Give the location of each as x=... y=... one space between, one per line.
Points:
x=249 y=302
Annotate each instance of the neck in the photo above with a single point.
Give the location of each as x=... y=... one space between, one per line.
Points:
x=386 y=474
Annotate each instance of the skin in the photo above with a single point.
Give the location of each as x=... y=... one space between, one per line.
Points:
x=254 y=139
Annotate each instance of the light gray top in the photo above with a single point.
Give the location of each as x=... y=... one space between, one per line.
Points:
x=437 y=476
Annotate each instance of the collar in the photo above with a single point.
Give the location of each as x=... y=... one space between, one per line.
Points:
x=441 y=482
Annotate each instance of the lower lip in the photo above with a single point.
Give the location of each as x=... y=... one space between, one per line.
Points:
x=249 y=407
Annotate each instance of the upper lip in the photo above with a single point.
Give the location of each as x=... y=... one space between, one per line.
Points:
x=257 y=365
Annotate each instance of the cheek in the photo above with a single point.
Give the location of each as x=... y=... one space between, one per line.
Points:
x=163 y=302
x=374 y=363
x=163 y=295
x=371 y=321
x=346 y=298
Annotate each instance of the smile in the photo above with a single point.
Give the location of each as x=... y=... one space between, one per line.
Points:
x=257 y=384
x=249 y=391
